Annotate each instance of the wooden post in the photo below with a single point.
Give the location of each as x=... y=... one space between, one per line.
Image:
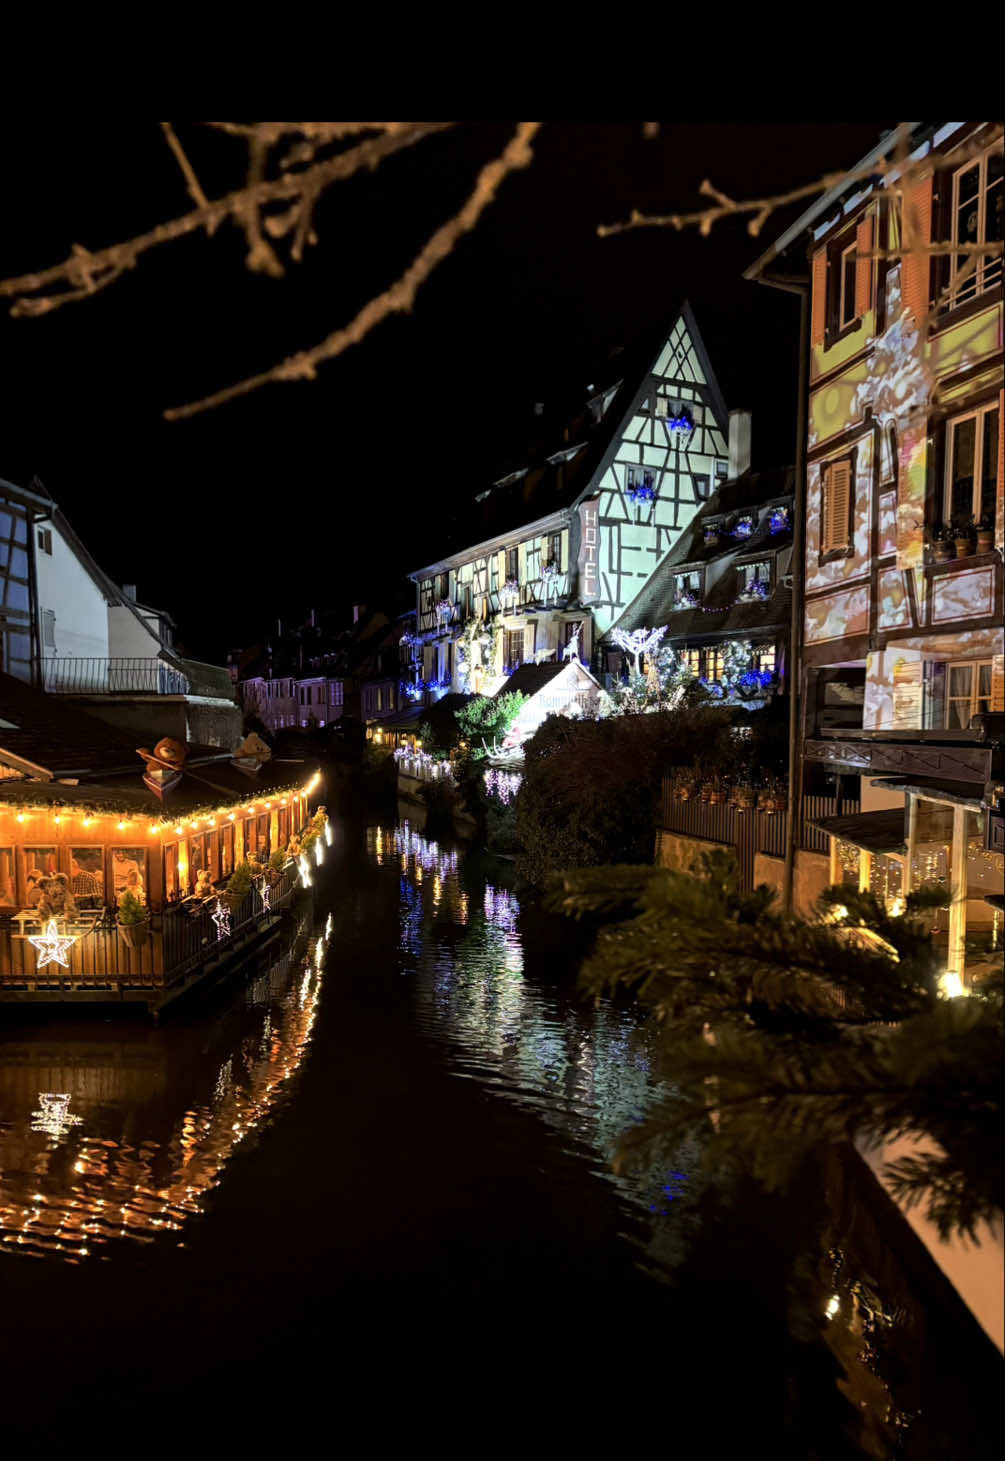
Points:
x=864 y=870
x=912 y=844
x=958 y=895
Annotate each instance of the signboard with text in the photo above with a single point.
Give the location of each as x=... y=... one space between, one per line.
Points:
x=588 y=562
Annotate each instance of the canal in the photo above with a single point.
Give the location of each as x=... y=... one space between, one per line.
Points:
x=364 y=1198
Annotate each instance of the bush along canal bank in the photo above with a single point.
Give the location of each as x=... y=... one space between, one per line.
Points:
x=407 y=1118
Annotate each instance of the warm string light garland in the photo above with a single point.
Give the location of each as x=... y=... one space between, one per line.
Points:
x=123 y=819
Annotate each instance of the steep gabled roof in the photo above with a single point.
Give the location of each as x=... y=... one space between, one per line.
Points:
x=564 y=469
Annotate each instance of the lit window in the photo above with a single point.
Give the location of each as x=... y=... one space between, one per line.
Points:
x=976 y=219
x=968 y=692
x=686 y=590
x=849 y=273
x=763 y=657
x=972 y=466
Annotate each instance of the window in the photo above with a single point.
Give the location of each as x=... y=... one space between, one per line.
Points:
x=45 y=540
x=227 y=850
x=763 y=657
x=968 y=692
x=87 y=876
x=687 y=590
x=8 y=896
x=513 y=564
x=835 y=525
x=572 y=629
x=972 y=466
x=849 y=269
x=466 y=600
x=755 y=579
x=513 y=648
x=711 y=664
x=48 y=629
x=692 y=658
x=555 y=549
x=443 y=586
x=702 y=483
x=171 y=886
x=976 y=219
x=263 y=836
x=39 y=863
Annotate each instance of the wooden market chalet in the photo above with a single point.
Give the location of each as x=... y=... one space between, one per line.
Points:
x=117 y=858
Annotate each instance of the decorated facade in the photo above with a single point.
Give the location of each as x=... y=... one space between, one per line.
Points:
x=722 y=594
x=902 y=637
x=558 y=549
x=123 y=869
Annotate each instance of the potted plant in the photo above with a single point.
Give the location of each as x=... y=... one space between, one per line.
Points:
x=985 y=535
x=742 y=798
x=133 y=920
x=715 y=790
x=239 y=886
x=685 y=785
x=963 y=539
x=942 y=545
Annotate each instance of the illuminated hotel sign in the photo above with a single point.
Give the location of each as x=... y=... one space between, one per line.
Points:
x=588 y=562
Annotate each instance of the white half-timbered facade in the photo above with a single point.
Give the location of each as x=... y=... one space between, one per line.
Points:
x=581 y=530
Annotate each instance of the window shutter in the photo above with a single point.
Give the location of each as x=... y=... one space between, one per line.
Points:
x=916 y=267
x=998 y=684
x=837 y=502
x=863 y=269
x=819 y=297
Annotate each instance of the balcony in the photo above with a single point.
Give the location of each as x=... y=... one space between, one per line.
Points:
x=85 y=676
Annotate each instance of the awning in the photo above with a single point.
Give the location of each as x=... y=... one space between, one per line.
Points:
x=881 y=831
x=963 y=793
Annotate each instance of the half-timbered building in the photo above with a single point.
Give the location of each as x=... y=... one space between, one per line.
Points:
x=552 y=553
x=904 y=676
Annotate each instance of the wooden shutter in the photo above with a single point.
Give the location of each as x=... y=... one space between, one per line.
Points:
x=916 y=267
x=837 y=506
x=863 y=269
x=998 y=684
x=819 y=315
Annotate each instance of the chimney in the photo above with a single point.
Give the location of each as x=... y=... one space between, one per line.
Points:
x=358 y=610
x=129 y=590
x=538 y=408
x=739 y=443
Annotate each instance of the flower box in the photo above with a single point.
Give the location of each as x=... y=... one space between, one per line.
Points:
x=134 y=935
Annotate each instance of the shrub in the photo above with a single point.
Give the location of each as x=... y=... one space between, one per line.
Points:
x=590 y=792
x=488 y=718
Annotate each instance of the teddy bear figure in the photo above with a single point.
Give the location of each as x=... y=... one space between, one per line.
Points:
x=203 y=884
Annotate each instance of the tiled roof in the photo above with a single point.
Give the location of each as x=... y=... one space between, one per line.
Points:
x=529 y=679
x=50 y=732
x=213 y=784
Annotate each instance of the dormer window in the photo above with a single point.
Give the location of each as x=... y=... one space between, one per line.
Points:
x=743 y=527
x=687 y=590
x=755 y=580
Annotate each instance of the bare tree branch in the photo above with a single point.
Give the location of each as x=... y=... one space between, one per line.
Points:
x=399 y=298
x=194 y=190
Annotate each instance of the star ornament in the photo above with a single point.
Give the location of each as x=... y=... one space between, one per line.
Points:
x=221 y=917
x=52 y=946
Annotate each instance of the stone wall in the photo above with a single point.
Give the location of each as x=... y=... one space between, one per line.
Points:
x=676 y=851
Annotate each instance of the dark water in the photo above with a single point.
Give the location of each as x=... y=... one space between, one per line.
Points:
x=365 y=1200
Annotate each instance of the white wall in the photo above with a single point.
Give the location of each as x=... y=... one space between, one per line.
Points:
x=128 y=638
x=65 y=587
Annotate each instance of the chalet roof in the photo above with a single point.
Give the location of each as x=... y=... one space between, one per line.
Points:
x=721 y=613
x=881 y=831
x=203 y=786
x=558 y=471
x=530 y=679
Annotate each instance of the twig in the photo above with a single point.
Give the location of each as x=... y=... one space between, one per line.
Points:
x=399 y=298
x=124 y=255
x=194 y=190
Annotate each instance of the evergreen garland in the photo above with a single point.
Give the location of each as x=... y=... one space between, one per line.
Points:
x=780 y=1035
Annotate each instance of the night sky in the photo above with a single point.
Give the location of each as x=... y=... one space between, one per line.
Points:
x=319 y=494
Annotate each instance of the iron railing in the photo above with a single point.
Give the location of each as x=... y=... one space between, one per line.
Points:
x=68 y=675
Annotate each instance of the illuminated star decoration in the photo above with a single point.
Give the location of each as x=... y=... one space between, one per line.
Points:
x=52 y=946
x=328 y=927
x=221 y=917
x=266 y=893
x=328 y=833
x=319 y=851
x=53 y=1116
x=305 y=871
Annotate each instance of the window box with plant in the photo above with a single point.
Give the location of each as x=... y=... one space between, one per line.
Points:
x=640 y=487
x=985 y=531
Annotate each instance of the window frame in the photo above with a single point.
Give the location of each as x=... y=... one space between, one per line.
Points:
x=978 y=282
x=974 y=697
x=975 y=413
x=829 y=554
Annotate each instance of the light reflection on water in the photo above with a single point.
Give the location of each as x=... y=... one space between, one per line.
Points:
x=72 y=1187
x=581 y=1068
